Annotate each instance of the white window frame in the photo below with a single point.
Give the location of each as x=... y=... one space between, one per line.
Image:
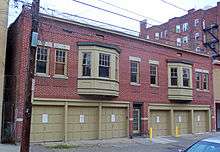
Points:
x=185 y=27
x=185 y=40
x=157 y=36
x=65 y=63
x=155 y=75
x=178 y=29
x=197 y=35
x=196 y=22
x=178 y=42
x=47 y=61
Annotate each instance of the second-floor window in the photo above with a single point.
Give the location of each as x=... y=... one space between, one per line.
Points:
x=41 y=60
x=60 y=66
x=174 y=76
x=86 y=64
x=153 y=74
x=196 y=36
x=196 y=22
x=205 y=81
x=157 y=36
x=186 y=77
x=185 y=39
x=104 y=65
x=198 y=80
x=135 y=71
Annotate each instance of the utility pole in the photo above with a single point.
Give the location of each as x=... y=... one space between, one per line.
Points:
x=25 y=142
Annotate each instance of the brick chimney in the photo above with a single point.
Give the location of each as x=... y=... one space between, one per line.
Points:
x=143 y=27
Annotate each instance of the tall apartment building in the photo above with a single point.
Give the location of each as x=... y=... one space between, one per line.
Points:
x=3 y=38
x=197 y=31
x=190 y=31
x=95 y=83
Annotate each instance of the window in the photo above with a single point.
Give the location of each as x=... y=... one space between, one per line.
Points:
x=198 y=49
x=198 y=80
x=153 y=74
x=203 y=24
x=174 y=76
x=178 y=42
x=177 y=28
x=60 y=66
x=147 y=37
x=161 y=34
x=196 y=36
x=116 y=68
x=135 y=71
x=104 y=65
x=165 y=33
x=196 y=22
x=186 y=77
x=41 y=60
x=185 y=39
x=185 y=27
x=205 y=81
x=157 y=36
x=86 y=64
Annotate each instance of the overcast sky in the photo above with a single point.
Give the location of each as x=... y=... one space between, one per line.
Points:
x=155 y=9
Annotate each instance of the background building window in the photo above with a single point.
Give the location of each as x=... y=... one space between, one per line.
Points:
x=177 y=28
x=174 y=76
x=186 y=77
x=178 y=42
x=135 y=71
x=104 y=65
x=86 y=64
x=185 y=39
x=198 y=80
x=41 y=60
x=196 y=22
x=153 y=74
x=165 y=33
x=205 y=81
x=157 y=36
x=197 y=36
x=60 y=62
x=185 y=27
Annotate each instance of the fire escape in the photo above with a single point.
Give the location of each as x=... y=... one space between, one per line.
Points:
x=211 y=40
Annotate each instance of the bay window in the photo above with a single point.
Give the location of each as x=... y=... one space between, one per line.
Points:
x=186 y=77
x=174 y=76
x=86 y=65
x=104 y=65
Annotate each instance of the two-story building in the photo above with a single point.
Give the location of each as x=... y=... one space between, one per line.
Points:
x=96 y=83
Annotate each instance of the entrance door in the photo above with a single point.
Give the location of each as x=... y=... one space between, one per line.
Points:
x=136 y=121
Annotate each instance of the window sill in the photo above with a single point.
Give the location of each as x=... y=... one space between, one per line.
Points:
x=135 y=84
x=41 y=75
x=202 y=90
x=154 y=86
x=60 y=77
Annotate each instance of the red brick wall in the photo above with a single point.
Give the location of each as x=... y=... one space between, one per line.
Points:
x=52 y=31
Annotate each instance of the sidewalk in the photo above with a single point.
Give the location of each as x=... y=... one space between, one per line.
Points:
x=9 y=148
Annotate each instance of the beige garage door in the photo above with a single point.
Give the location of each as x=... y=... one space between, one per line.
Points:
x=200 y=121
x=82 y=123
x=47 y=123
x=114 y=122
x=182 y=121
x=160 y=122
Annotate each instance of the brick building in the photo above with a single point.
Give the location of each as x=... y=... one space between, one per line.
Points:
x=197 y=31
x=189 y=31
x=95 y=83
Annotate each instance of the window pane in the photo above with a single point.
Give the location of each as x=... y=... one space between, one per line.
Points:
x=205 y=82
x=134 y=72
x=198 y=80
x=60 y=62
x=86 y=64
x=41 y=60
x=104 y=65
x=186 y=77
x=59 y=68
x=153 y=74
x=174 y=76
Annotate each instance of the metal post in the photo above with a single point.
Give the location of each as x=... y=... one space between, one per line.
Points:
x=25 y=142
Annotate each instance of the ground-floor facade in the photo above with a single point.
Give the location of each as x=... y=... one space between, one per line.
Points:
x=69 y=120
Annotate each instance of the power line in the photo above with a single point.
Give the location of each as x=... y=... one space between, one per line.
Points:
x=127 y=10
x=173 y=5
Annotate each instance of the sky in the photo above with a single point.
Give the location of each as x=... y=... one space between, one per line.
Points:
x=156 y=9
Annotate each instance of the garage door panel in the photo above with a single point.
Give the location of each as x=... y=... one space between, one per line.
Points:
x=182 y=121
x=200 y=121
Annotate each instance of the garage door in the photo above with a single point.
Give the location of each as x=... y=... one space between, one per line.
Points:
x=182 y=121
x=47 y=123
x=114 y=122
x=82 y=123
x=160 y=122
x=200 y=121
